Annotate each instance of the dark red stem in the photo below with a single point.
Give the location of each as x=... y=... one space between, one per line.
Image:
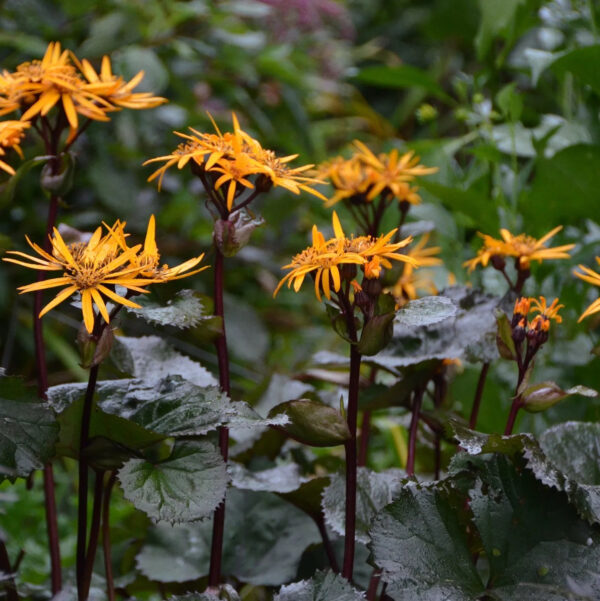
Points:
x=216 y=552
x=365 y=431
x=83 y=483
x=350 y=445
x=94 y=532
x=373 y=584
x=320 y=522
x=42 y=373
x=110 y=583
x=478 y=396
x=10 y=589
x=412 y=435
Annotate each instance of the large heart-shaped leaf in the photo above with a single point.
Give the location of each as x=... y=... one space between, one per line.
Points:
x=188 y=486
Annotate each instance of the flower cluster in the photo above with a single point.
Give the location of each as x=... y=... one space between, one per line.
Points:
x=232 y=158
x=365 y=176
x=523 y=248
x=59 y=79
x=535 y=330
x=94 y=268
x=326 y=259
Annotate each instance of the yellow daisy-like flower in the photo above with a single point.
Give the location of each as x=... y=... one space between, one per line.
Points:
x=53 y=80
x=93 y=269
x=592 y=277
x=546 y=312
x=524 y=248
x=365 y=175
x=376 y=251
x=391 y=172
x=11 y=134
x=232 y=157
x=114 y=88
x=325 y=256
x=323 y=259
x=148 y=258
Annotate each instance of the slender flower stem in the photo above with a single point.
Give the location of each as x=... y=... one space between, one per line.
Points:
x=412 y=437
x=10 y=589
x=320 y=522
x=94 y=532
x=478 y=395
x=216 y=552
x=83 y=483
x=42 y=374
x=365 y=431
x=518 y=399
x=373 y=584
x=350 y=445
x=110 y=584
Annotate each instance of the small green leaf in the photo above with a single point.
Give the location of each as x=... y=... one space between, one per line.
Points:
x=504 y=340
x=313 y=423
x=58 y=183
x=8 y=190
x=28 y=429
x=376 y=334
x=544 y=395
x=581 y=62
x=374 y=492
x=323 y=586
x=186 y=487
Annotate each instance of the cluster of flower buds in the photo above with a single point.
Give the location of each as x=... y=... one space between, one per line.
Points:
x=535 y=331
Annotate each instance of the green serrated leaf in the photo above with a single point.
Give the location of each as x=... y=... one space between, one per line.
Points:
x=187 y=310
x=171 y=406
x=284 y=478
x=323 y=586
x=150 y=358
x=422 y=547
x=264 y=540
x=28 y=429
x=426 y=311
x=188 y=486
x=225 y=593
x=462 y=326
x=374 y=492
x=127 y=438
x=313 y=423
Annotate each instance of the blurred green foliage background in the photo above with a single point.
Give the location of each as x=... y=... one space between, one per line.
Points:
x=502 y=95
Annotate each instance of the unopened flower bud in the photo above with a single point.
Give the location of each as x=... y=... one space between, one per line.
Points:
x=519 y=331
x=498 y=262
x=348 y=271
x=372 y=287
x=521 y=310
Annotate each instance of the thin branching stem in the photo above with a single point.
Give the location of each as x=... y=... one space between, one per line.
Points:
x=478 y=395
x=110 y=584
x=412 y=436
x=350 y=445
x=216 y=552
